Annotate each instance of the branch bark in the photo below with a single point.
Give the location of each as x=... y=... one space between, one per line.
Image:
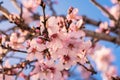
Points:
x=5 y=12
x=102 y=36
x=103 y=9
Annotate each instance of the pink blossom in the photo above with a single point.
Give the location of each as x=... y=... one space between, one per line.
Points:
x=79 y=23
x=84 y=73
x=27 y=17
x=114 y=1
x=35 y=50
x=115 y=11
x=61 y=21
x=110 y=72
x=14 y=18
x=48 y=71
x=76 y=35
x=102 y=57
x=56 y=41
x=15 y=41
x=22 y=75
x=7 y=64
x=112 y=23
x=31 y=4
x=52 y=25
x=7 y=77
x=103 y=25
x=73 y=14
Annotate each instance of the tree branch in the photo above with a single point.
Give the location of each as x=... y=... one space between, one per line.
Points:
x=5 y=12
x=8 y=71
x=103 y=9
x=90 y=70
x=102 y=36
x=11 y=49
x=3 y=18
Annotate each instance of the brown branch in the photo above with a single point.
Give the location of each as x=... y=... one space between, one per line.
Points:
x=102 y=36
x=8 y=71
x=45 y=31
x=103 y=9
x=11 y=49
x=50 y=4
x=2 y=18
x=20 y=22
x=5 y=12
x=91 y=21
x=90 y=70
x=95 y=23
x=2 y=32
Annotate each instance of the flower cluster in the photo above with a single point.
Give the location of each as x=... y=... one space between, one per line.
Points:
x=65 y=48
x=55 y=45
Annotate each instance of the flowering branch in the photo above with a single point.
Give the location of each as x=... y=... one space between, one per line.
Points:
x=9 y=48
x=56 y=43
x=45 y=31
x=90 y=70
x=102 y=36
x=5 y=12
x=8 y=71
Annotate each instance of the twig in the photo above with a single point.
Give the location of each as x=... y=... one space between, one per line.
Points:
x=5 y=12
x=103 y=9
x=17 y=75
x=2 y=18
x=50 y=4
x=3 y=74
x=21 y=11
x=113 y=29
x=45 y=31
x=90 y=70
x=16 y=66
x=2 y=32
x=11 y=49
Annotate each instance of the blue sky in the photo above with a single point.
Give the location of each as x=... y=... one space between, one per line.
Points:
x=85 y=8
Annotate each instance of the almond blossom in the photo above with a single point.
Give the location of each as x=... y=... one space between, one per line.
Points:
x=104 y=57
x=109 y=73
x=52 y=25
x=73 y=14
x=15 y=41
x=114 y=1
x=103 y=27
x=47 y=71
x=35 y=49
x=114 y=10
x=31 y=4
